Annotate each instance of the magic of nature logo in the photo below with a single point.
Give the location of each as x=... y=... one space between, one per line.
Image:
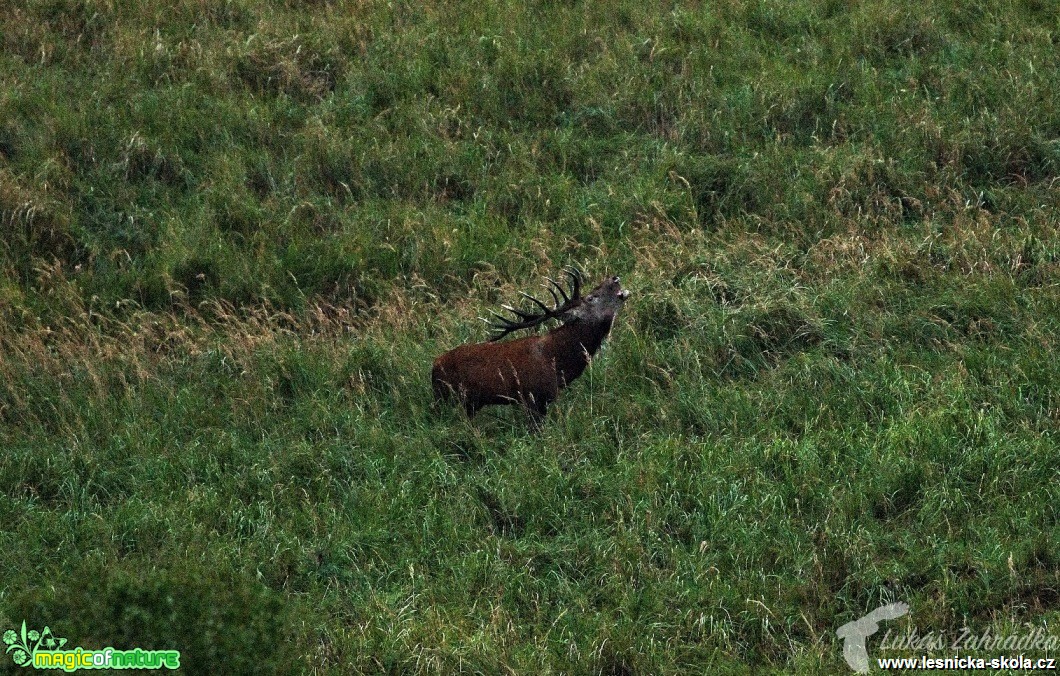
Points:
x=44 y=650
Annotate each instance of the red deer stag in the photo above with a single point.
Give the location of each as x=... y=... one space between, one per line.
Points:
x=531 y=371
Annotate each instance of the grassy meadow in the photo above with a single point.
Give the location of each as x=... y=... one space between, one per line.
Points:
x=235 y=234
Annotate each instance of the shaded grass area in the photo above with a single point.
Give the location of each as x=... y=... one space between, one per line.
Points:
x=230 y=254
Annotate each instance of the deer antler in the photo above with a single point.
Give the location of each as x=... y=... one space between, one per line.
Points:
x=503 y=326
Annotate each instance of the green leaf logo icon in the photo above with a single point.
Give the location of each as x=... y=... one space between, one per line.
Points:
x=22 y=646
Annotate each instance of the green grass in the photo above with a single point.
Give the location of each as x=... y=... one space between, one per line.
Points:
x=234 y=236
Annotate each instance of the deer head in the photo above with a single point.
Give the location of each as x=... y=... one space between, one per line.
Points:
x=603 y=302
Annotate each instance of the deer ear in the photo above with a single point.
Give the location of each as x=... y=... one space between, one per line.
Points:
x=572 y=315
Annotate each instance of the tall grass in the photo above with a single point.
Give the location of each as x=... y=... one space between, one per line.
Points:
x=233 y=244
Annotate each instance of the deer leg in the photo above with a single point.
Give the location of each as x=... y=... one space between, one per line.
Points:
x=471 y=408
x=536 y=409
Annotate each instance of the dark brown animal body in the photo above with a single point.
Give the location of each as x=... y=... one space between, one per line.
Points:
x=531 y=371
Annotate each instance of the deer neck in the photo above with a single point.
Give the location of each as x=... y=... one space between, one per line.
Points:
x=572 y=346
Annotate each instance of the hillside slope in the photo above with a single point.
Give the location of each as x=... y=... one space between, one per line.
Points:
x=235 y=234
